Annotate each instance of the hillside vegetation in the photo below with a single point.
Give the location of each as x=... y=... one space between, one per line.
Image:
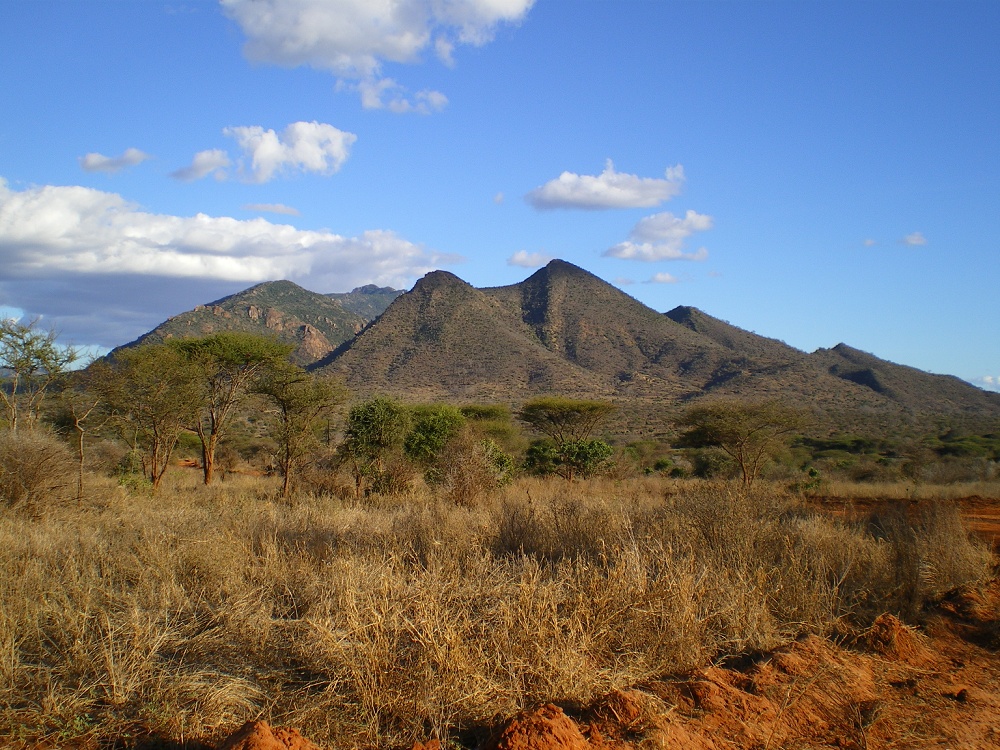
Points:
x=563 y=331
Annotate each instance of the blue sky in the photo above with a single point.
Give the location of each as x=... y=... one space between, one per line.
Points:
x=817 y=172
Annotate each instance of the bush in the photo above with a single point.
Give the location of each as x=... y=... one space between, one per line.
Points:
x=36 y=469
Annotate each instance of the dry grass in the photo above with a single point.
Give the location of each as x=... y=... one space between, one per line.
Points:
x=379 y=622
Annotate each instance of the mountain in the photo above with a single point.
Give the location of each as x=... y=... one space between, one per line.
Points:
x=918 y=391
x=446 y=339
x=314 y=323
x=565 y=331
x=368 y=301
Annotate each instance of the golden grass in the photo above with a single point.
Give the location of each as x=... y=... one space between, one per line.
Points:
x=379 y=622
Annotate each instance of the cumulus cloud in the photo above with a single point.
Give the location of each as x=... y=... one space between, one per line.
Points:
x=204 y=163
x=301 y=147
x=70 y=241
x=524 y=259
x=662 y=237
x=663 y=278
x=914 y=239
x=385 y=93
x=95 y=162
x=272 y=208
x=987 y=383
x=610 y=189
x=353 y=39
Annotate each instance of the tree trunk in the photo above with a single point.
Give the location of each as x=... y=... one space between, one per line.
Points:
x=208 y=444
x=79 y=457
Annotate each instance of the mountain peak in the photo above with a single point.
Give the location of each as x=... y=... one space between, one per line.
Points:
x=439 y=280
x=685 y=315
x=373 y=289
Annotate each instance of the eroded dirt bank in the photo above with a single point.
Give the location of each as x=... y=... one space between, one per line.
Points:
x=890 y=686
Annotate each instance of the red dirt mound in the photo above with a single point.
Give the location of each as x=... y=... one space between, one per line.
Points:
x=257 y=735
x=892 y=639
x=545 y=728
x=892 y=687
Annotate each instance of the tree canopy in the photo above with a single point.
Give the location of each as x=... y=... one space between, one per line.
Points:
x=226 y=366
x=31 y=360
x=565 y=419
x=749 y=432
x=153 y=393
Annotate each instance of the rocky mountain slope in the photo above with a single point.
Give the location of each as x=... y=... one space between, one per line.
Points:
x=565 y=331
x=315 y=323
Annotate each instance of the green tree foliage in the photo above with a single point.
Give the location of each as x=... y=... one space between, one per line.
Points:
x=432 y=427
x=751 y=433
x=494 y=422
x=375 y=431
x=31 y=361
x=302 y=404
x=569 y=459
x=228 y=365
x=153 y=393
x=568 y=423
x=565 y=419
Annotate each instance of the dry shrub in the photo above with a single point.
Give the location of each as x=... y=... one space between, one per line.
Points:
x=382 y=620
x=471 y=467
x=36 y=469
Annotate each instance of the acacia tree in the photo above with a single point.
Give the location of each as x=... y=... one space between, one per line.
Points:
x=32 y=361
x=227 y=364
x=301 y=402
x=751 y=433
x=79 y=408
x=569 y=424
x=375 y=430
x=153 y=394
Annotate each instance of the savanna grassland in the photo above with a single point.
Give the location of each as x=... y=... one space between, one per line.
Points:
x=381 y=620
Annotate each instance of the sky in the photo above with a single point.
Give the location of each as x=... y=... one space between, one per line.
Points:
x=813 y=171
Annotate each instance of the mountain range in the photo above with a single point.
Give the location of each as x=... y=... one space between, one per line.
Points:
x=565 y=331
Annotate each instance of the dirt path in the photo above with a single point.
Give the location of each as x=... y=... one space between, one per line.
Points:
x=982 y=515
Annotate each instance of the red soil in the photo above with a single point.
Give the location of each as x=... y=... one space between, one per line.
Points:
x=890 y=686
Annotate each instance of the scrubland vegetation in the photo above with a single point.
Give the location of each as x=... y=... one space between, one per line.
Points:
x=429 y=571
x=389 y=618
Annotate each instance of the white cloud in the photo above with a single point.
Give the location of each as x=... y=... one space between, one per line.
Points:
x=524 y=259
x=987 y=383
x=204 y=163
x=272 y=208
x=870 y=243
x=385 y=93
x=65 y=244
x=662 y=237
x=354 y=38
x=610 y=189
x=95 y=162
x=914 y=239
x=301 y=147
x=624 y=281
x=663 y=278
